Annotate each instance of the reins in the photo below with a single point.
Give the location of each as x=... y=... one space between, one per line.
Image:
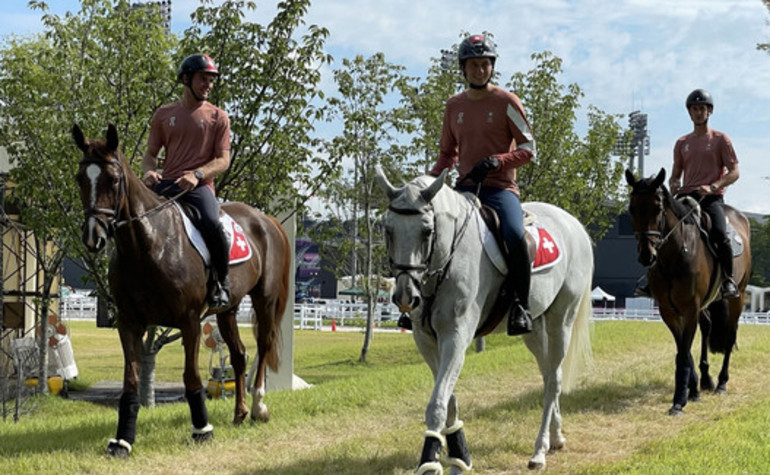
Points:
x=115 y=223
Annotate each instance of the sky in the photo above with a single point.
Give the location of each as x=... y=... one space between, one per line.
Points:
x=625 y=55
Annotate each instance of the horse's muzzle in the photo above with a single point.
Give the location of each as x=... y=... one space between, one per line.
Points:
x=95 y=234
x=406 y=295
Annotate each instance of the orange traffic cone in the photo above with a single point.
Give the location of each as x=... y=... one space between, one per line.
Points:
x=334 y=325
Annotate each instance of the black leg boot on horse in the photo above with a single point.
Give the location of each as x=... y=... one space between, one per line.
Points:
x=219 y=282
x=519 y=270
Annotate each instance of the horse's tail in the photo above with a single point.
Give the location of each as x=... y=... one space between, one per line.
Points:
x=271 y=326
x=579 y=356
x=723 y=332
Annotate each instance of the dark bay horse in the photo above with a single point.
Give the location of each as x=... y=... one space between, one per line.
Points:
x=157 y=278
x=685 y=280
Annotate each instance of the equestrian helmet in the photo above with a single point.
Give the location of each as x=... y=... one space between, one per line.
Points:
x=700 y=96
x=194 y=63
x=476 y=46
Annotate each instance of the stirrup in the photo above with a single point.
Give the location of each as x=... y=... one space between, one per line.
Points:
x=519 y=321
x=220 y=294
x=729 y=288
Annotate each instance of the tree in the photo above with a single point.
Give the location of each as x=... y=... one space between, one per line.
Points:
x=765 y=46
x=579 y=175
x=114 y=62
x=269 y=84
x=369 y=137
x=760 y=253
x=83 y=69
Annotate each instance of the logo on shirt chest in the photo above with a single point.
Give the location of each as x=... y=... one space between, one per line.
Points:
x=172 y=121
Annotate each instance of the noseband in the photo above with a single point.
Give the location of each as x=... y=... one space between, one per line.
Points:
x=439 y=271
x=398 y=268
x=107 y=218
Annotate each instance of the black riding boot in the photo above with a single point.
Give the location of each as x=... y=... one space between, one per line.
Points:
x=519 y=267
x=729 y=288
x=219 y=285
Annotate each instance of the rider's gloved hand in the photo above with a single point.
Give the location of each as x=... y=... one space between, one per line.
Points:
x=482 y=169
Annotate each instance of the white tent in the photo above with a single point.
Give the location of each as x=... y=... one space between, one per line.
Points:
x=599 y=294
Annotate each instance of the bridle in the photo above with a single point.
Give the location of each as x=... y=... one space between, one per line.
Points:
x=439 y=272
x=107 y=218
x=661 y=240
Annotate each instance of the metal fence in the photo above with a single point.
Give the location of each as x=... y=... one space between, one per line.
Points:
x=316 y=316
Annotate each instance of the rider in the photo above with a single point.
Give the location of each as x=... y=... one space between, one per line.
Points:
x=487 y=136
x=196 y=137
x=706 y=160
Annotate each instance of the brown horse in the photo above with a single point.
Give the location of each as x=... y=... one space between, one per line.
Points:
x=685 y=280
x=157 y=278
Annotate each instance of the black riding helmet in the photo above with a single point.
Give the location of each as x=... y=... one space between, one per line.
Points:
x=476 y=46
x=700 y=96
x=194 y=63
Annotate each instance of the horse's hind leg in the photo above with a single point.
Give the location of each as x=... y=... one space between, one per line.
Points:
x=549 y=355
x=228 y=328
x=266 y=328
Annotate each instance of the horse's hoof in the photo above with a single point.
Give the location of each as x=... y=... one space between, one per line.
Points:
x=118 y=448
x=532 y=465
x=676 y=410
x=557 y=445
x=721 y=389
x=261 y=414
x=694 y=398
x=204 y=437
x=430 y=468
x=239 y=418
x=204 y=434
x=706 y=385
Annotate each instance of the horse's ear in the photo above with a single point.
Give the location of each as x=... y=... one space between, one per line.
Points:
x=630 y=179
x=660 y=178
x=429 y=192
x=389 y=189
x=80 y=139
x=112 y=138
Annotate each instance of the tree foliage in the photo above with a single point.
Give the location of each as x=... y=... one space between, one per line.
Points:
x=578 y=174
x=369 y=137
x=269 y=85
x=760 y=253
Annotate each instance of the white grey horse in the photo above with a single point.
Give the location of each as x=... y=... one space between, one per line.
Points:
x=447 y=284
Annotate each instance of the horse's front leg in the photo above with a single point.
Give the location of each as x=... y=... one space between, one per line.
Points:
x=458 y=453
x=706 y=382
x=128 y=407
x=194 y=392
x=228 y=328
x=684 y=372
x=445 y=357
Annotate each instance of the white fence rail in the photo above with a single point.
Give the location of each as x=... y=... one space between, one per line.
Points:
x=316 y=316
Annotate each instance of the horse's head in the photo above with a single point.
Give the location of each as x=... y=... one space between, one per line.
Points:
x=647 y=210
x=102 y=184
x=409 y=236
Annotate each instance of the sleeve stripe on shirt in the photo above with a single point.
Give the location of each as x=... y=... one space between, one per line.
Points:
x=525 y=130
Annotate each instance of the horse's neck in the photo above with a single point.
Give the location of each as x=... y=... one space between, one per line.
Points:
x=680 y=234
x=140 y=200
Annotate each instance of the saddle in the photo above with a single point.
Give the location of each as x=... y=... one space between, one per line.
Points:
x=492 y=220
x=240 y=250
x=502 y=305
x=703 y=221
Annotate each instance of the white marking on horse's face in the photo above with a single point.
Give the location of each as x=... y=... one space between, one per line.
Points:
x=92 y=172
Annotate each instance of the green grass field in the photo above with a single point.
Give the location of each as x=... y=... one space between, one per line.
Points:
x=367 y=418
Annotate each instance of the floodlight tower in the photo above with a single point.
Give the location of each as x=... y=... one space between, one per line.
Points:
x=638 y=145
